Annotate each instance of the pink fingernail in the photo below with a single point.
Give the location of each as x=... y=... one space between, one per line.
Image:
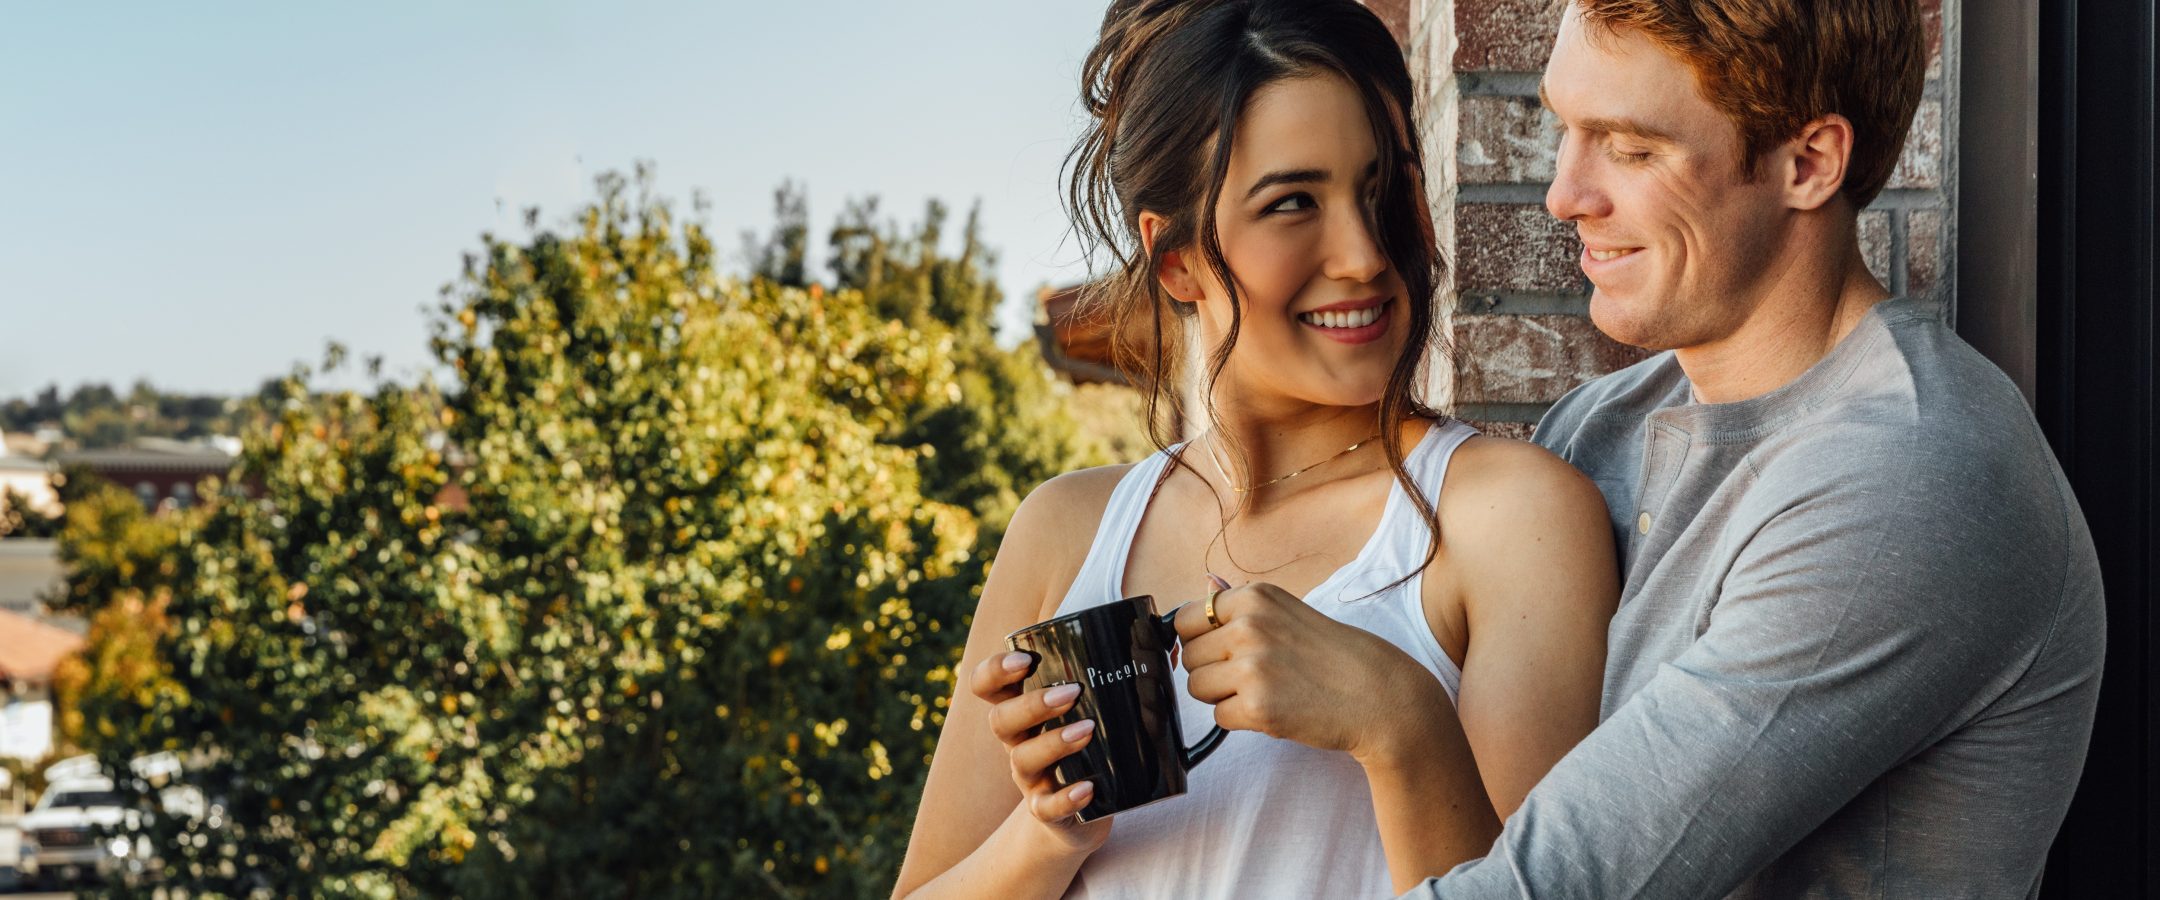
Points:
x=1081 y=791
x=1061 y=695
x=1078 y=730
x=1014 y=662
x=1218 y=581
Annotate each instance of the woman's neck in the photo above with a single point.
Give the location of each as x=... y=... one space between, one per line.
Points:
x=1252 y=443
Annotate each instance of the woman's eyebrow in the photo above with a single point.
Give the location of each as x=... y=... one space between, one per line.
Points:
x=1300 y=176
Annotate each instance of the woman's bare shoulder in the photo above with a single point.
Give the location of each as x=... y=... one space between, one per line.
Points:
x=1082 y=492
x=1501 y=482
x=1054 y=526
x=1515 y=512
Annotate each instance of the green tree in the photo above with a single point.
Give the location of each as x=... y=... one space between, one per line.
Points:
x=110 y=546
x=1007 y=429
x=782 y=261
x=690 y=630
x=120 y=691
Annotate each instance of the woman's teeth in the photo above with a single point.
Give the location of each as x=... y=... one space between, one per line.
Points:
x=1603 y=255
x=1349 y=318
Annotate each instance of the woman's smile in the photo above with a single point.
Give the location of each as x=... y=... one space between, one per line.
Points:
x=1351 y=322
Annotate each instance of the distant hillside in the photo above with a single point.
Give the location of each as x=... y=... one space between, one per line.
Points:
x=94 y=416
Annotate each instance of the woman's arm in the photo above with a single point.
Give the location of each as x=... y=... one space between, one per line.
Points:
x=1539 y=581
x=973 y=835
x=1531 y=585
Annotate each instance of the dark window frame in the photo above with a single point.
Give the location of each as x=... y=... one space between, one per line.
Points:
x=2080 y=342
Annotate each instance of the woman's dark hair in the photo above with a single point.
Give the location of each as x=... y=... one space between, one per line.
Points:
x=1164 y=86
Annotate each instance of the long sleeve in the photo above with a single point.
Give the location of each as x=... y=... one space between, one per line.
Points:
x=1882 y=615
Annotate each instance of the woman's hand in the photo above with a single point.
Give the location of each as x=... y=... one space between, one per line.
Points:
x=1014 y=716
x=1279 y=667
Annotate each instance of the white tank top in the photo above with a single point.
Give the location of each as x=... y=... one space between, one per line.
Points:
x=1265 y=817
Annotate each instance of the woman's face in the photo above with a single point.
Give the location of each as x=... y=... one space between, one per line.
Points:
x=1325 y=313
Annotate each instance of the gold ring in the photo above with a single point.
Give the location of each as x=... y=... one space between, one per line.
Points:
x=1210 y=608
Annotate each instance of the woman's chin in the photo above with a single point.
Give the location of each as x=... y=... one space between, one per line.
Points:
x=1341 y=394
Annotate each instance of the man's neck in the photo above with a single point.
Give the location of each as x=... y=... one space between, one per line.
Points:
x=1797 y=322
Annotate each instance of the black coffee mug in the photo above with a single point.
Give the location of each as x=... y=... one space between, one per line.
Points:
x=1119 y=654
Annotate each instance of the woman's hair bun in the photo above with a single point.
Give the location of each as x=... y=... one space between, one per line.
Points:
x=1128 y=28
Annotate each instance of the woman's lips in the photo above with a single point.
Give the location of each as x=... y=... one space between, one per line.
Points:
x=1363 y=334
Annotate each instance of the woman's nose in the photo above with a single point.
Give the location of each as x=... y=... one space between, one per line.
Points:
x=1357 y=255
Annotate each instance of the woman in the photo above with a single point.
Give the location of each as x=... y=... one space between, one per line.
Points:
x=1390 y=645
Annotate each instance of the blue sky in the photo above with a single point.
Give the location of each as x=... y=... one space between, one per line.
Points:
x=204 y=196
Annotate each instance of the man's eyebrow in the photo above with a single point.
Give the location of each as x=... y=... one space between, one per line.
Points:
x=1629 y=127
x=1299 y=176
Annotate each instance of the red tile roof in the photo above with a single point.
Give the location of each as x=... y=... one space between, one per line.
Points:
x=1076 y=341
x=30 y=649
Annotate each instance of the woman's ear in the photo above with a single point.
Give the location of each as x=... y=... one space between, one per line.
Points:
x=1176 y=276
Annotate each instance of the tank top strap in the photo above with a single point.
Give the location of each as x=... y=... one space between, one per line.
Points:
x=1430 y=469
x=1102 y=574
x=1404 y=542
x=1403 y=537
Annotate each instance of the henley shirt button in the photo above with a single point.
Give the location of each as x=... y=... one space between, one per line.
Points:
x=1642 y=523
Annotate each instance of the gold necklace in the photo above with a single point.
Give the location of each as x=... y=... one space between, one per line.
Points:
x=1247 y=490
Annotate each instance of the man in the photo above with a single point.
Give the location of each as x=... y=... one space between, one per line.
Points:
x=1859 y=642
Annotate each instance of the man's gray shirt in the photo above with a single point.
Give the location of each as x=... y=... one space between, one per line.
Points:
x=1858 y=643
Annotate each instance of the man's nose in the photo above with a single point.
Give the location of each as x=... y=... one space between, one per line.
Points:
x=1575 y=193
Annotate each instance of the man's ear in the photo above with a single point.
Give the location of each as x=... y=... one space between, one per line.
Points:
x=1819 y=157
x=1176 y=276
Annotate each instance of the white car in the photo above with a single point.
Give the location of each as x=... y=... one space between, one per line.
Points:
x=73 y=827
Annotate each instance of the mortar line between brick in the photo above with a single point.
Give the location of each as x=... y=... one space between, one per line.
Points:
x=1499 y=84
x=1900 y=257
x=1533 y=194
x=1512 y=303
x=1908 y=198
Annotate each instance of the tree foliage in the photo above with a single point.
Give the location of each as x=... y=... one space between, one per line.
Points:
x=110 y=547
x=660 y=596
x=122 y=565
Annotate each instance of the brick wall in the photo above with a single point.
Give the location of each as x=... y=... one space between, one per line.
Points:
x=1516 y=311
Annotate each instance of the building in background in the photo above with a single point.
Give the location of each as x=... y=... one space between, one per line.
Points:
x=28 y=477
x=1075 y=341
x=31 y=645
x=29 y=652
x=30 y=570
x=163 y=473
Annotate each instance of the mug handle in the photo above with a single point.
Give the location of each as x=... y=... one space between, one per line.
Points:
x=1190 y=756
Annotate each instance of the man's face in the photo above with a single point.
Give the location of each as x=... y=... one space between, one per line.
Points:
x=1677 y=240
